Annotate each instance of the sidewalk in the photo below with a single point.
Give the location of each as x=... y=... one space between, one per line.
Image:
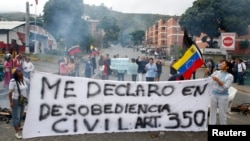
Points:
x=242 y=88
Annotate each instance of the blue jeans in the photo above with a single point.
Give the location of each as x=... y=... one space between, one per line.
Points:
x=17 y=113
x=120 y=76
x=240 y=78
x=134 y=77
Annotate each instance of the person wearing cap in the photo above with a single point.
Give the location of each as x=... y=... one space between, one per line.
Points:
x=18 y=86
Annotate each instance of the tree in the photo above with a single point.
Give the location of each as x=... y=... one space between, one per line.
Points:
x=63 y=18
x=212 y=16
x=137 y=36
x=109 y=25
x=244 y=44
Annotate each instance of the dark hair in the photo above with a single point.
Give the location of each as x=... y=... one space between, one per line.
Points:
x=151 y=59
x=15 y=76
x=133 y=59
x=229 y=65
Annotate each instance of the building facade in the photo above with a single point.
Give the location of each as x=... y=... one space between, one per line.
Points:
x=15 y=32
x=168 y=34
x=96 y=33
x=165 y=33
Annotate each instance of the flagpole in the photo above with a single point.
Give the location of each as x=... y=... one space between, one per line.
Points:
x=35 y=21
x=27 y=26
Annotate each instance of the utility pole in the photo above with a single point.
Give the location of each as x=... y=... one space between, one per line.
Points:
x=27 y=28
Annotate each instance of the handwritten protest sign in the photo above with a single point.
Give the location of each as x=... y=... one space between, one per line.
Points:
x=119 y=63
x=62 y=105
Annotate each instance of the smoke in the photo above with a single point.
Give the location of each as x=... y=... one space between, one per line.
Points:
x=63 y=18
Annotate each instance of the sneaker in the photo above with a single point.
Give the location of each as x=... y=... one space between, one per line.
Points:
x=18 y=136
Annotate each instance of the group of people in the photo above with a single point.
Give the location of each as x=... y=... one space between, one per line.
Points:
x=145 y=68
x=237 y=68
x=149 y=69
x=224 y=74
x=70 y=65
x=19 y=61
x=17 y=72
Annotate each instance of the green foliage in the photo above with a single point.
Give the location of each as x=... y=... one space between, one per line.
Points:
x=110 y=27
x=211 y=16
x=18 y=16
x=244 y=44
x=138 y=36
x=127 y=23
x=63 y=18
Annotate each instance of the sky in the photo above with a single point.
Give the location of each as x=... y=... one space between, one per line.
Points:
x=165 y=7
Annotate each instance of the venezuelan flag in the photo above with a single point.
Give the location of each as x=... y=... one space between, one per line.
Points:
x=74 y=49
x=189 y=62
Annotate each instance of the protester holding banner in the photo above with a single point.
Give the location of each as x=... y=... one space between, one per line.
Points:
x=120 y=74
x=122 y=70
x=132 y=69
x=151 y=70
x=17 y=88
x=219 y=97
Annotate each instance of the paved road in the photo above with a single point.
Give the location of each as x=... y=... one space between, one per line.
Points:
x=7 y=132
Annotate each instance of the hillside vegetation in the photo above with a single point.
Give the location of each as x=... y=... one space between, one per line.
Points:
x=127 y=22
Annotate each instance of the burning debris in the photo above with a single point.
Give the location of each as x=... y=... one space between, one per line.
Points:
x=243 y=108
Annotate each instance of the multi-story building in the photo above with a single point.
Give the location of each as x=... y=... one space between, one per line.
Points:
x=174 y=33
x=96 y=33
x=165 y=33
